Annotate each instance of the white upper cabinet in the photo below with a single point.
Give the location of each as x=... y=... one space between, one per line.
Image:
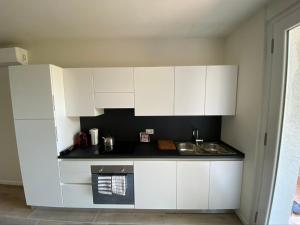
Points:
x=192 y=184
x=31 y=92
x=114 y=87
x=79 y=92
x=151 y=91
x=154 y=91
x=114 y=100
x=66 y=127
x=190 y=90
x=114 y=80
x=155 y=184
x=225 y=184
x=221 y=89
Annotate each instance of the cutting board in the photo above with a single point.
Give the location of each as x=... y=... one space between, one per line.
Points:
x=166 y=145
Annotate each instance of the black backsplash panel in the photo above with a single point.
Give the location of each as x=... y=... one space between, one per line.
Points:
x=124 y=126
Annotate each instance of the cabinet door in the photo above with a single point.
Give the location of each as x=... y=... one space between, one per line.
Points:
x=66 y=127
x=225 y=184
x=79 y=93
x=77 y=195
x=192 y=185
x=79 y=171
x=36 y=143
x=114 y=100
x=221 y=88
x=155 y=185
x=113 y=79
x=31 y=92
x=154 y=91
x=81 y=196
x=190 y=90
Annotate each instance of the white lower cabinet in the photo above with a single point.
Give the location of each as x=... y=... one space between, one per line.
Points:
x=76 y=182
x=192 y=184
x=155 y=184
x=77 y=195
x=79 y=172
x=81 y=196
x=159 y=184
x=225 y=184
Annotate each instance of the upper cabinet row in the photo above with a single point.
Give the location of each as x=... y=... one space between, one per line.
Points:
x=90 y=90
x=152 y=91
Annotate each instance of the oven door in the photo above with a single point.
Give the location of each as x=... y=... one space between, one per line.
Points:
x=113 y=184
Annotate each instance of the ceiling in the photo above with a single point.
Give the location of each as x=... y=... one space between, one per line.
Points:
x=28 y=20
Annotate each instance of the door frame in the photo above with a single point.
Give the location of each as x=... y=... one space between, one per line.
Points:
x=272 y=113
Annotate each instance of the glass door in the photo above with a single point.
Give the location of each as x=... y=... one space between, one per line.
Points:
x=282 y=151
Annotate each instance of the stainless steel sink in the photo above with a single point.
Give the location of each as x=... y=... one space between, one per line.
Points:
x=207 y=148
x=187 y=148
x=212 y=147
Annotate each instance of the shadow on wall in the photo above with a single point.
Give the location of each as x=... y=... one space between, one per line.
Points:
x=9 y=162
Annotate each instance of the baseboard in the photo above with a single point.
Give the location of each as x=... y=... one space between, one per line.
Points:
x=11 y=182
x=241 y=217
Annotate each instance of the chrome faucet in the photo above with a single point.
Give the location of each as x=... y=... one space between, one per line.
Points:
x=196 y=137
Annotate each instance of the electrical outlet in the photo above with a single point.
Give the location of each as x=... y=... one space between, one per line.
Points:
x=149 y=131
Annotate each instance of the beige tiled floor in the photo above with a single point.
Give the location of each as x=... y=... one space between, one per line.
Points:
x=13 y=211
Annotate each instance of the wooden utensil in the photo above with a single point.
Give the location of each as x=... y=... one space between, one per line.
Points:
x=166 y=145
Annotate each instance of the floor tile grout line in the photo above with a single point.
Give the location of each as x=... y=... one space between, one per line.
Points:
x=29 y=214
x=19 y=218
x=61 y=220
x=95 y=217
x=65 y=221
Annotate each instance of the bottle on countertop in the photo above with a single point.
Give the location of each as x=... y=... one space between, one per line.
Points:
x=94 y=136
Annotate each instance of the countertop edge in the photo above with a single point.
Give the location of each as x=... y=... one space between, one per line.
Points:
x=158 y=156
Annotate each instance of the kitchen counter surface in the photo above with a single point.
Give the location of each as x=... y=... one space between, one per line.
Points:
x=131 y=150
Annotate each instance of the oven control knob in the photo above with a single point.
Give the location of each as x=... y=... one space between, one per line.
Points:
x=101 y=170
x=122 y=170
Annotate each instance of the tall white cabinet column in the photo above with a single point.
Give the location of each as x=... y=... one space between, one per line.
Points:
x=42 y=130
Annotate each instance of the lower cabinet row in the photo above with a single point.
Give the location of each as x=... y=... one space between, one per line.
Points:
x=186 y=185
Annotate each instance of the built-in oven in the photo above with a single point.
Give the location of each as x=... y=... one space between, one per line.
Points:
x=113 y=184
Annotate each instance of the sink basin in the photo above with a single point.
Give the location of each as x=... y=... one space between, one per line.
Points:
x=212 y=147
x=187 y=148
x=208 y=148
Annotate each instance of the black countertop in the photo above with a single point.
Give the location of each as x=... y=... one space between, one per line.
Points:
x=141 y=150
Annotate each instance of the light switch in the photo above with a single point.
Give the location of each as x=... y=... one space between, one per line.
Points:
x=149 y=131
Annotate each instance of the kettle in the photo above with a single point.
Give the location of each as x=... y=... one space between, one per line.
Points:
x=108 y=143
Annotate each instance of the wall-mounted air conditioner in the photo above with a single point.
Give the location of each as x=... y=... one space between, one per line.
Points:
x=13 y=56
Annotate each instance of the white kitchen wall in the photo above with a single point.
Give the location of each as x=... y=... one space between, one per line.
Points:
x=9 y=164
x=245 y=47
x=275 y=7
x=126 y=52
x=139 y=52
